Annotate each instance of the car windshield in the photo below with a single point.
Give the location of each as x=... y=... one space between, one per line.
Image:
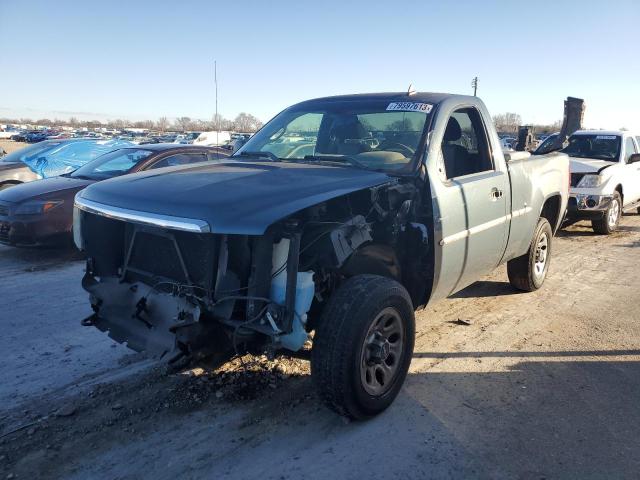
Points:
x=547 y=143
x=112 y=164
x=378 y=135
x=601 y=147
x=30 y=152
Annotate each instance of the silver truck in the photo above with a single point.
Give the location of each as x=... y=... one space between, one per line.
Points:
x=332 y=224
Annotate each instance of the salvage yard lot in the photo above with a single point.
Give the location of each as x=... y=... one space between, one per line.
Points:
x=541 y=385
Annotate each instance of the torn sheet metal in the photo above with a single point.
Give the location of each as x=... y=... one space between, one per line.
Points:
x=71 y=156
x=141 y=316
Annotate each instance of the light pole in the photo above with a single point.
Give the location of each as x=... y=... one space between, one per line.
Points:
x=215 y=81
x=474 y=84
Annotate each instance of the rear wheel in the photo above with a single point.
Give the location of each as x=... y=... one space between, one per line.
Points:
x=363 y=346
x=527 y=272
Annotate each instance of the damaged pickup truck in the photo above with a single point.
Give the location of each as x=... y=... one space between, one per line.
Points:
x=336 y=221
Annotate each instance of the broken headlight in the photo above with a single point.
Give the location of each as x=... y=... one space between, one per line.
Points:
x=589 y=181
x=36 y=207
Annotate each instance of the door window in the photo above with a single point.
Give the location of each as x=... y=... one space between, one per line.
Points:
x=629 y=149
x=180 y=159
x=465 y=148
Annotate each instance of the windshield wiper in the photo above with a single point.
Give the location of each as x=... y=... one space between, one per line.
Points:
x=269 y=155
x=337 y=159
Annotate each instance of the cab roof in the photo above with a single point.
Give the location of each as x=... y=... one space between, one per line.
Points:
x=423 y=97
x=618 y=133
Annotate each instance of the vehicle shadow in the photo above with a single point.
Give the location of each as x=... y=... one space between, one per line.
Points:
x=515 y=418
x=628 y=228
x=587 y=231
x=634 y=244
x=36 y=258
x=556 y=418
x=575 y=232
x=486 y=288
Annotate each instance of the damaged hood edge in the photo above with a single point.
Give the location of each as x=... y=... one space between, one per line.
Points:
x=589 y=165
x=231 y=198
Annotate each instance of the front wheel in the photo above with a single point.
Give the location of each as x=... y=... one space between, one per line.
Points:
x=527 y=272
x=363 y=346
x=611 y=219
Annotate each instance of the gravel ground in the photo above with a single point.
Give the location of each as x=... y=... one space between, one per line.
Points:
x=541 y=385
x=9 y=145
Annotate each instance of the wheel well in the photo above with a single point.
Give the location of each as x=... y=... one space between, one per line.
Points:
x=619 y=190
x=551 y=211
x=373 y=259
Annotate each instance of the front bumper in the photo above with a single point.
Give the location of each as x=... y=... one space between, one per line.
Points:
x=587 y=206
x=31 y=231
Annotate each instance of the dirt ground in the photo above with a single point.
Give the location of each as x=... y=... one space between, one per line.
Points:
x=541 y=385
x=9 y=145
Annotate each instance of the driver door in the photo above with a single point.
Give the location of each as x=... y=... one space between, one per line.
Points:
x=471 y=203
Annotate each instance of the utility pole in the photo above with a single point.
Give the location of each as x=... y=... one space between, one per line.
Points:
x=474 y=84
x=215 y=81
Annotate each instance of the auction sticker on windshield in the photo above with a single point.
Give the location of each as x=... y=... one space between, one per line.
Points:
x=606 y=137
x=410 y=107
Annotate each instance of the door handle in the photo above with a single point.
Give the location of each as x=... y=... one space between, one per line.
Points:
x=496 y=193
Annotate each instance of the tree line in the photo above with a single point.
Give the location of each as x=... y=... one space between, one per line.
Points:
x=243 y=122
x=509 y=123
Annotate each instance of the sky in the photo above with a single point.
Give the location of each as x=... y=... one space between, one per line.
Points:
x=148 y=59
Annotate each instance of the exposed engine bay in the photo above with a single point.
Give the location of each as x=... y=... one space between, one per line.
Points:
x=184 y=295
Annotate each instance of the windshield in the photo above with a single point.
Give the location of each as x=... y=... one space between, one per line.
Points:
x=379 y=135
x=112 y=164
x=32 y=151
x=602 y=147
x=546 y=144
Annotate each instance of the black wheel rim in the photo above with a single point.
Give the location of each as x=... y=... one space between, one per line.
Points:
x=382 y=352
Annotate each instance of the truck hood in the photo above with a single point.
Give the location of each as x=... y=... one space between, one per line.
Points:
x=60 y=188
x=236 y=197
x=588 y=165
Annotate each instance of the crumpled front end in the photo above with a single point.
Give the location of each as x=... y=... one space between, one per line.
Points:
x=154 y=288
x=173 y=293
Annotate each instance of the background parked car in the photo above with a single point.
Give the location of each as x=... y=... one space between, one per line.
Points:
x=7 y=133
x=187 y=138
x=213 y=138
x=51 y=158
x=39 y=136
x=41 y=213
x=21 y=136
x=544 y=145
x=605 y=177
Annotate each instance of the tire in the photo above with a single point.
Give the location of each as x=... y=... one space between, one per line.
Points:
x=611 y=218
x=528 y=272
x=363 y=346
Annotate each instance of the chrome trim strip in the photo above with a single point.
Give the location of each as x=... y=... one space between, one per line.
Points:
x=144 y=218
x=483 y=226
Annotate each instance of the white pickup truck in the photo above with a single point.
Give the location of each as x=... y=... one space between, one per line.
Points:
x=605 y=177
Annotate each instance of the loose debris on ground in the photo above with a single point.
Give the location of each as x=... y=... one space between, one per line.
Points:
x=135 y=405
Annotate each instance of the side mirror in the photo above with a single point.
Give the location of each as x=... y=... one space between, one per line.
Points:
x=634 y=158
